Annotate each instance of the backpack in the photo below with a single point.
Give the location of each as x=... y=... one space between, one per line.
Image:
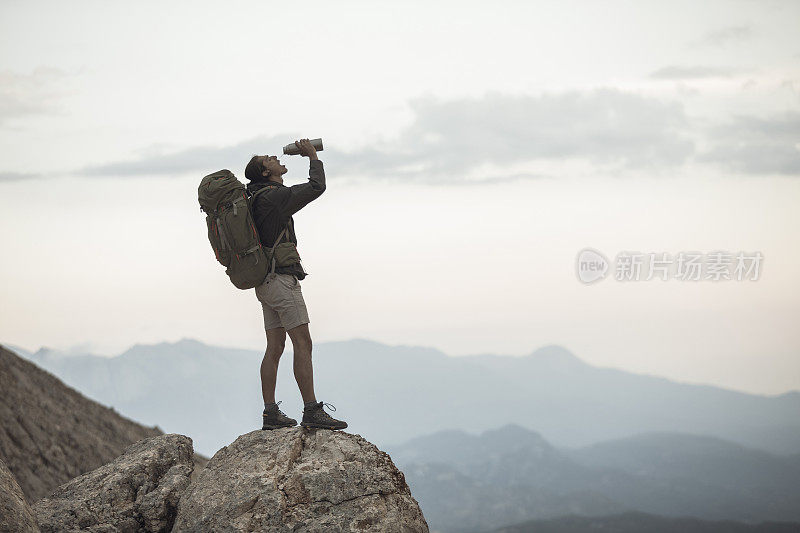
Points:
x=231 y=230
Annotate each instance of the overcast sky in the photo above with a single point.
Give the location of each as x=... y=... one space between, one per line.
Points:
x=471 y=151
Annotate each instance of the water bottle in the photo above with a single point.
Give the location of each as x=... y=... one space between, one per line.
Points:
x=291 y=149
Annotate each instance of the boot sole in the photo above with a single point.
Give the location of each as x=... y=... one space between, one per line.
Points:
x=319 y=426
x=278 y=426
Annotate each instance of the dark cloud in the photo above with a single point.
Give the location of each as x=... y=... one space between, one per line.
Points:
x=724 y=36
x=757 y=145
x=692 y=73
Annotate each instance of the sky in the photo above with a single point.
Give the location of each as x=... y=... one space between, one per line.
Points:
x=472 y=151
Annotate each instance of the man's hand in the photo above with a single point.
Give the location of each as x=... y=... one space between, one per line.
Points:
x=306 y=149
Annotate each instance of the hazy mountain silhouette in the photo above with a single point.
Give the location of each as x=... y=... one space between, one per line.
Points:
x=393 y=393
x=635 y=522
x=467 y=482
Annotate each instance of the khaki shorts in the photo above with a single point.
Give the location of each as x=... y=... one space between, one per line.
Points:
x=282 y=302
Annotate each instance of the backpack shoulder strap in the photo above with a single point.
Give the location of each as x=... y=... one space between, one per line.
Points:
x=262 y=189
x=285 y=230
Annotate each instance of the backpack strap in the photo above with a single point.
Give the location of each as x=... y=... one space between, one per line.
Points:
x=263 y=189
x=284 y=231
x=259 y=191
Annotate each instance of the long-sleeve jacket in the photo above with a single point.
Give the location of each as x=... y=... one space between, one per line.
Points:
x=273 y=209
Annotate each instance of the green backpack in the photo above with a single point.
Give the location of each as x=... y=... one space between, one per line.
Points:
x=233 y=234
x=231 y=230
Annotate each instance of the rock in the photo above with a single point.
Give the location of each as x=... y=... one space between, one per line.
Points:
x=295 y=479
x=51 y=433
x=139 y=491
x=15 y=513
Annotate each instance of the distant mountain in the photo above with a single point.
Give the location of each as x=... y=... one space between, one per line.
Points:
x=393 y=393
x=682 y=456
x=453 y=502
x=575 y=404
x=510 y=455
x=50 y=433
x=635 y=522
x=467 y=482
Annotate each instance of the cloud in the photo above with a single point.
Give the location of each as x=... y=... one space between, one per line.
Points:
x=757 y=145
x=23 y=95
x=502 y=137
x=157 y=161
x=675 y=72
x=448 y=139
x=725 y=36
x=17 y=176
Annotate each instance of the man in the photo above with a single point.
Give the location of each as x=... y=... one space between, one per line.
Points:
x=280 y=295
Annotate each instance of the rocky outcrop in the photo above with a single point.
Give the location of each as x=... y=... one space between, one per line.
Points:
x=50 y=433
x=139 y=491
x=15 y=514
x=296 y=479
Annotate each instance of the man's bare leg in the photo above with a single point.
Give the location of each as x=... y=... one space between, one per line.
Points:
x=276 y=341
x=303 y=369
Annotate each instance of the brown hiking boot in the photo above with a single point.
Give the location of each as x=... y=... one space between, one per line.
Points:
x=316 y=417
x=274 y=418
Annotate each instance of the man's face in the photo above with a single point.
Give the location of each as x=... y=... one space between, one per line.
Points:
x=272 y=166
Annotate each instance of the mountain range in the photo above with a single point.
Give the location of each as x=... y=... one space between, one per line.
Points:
x=392 y=394
x=509 y=475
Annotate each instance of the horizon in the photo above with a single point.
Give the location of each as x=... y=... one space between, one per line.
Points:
x=76 y=351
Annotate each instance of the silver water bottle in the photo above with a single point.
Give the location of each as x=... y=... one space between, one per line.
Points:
x=291 y=149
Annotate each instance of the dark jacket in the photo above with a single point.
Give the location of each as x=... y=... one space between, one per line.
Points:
x=274 y=208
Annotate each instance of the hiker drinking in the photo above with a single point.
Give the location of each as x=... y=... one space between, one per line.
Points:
x=272 y=205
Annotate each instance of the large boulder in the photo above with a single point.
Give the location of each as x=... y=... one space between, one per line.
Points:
x=295 y=479
x=15 y=513
x=139 y=491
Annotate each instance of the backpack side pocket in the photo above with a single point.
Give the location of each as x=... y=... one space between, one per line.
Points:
x=222 y=253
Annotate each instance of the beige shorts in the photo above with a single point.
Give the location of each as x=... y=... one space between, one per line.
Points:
x=282 y=302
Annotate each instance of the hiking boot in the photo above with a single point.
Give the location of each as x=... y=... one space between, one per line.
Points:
x=274 y=418
x=316 y=417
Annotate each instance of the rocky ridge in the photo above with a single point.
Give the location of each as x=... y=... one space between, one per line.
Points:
x=291 y=479
x=51 y=433
x=15 y=513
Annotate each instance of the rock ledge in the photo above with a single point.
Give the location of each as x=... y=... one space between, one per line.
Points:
x=296 y=479
x=138 y=491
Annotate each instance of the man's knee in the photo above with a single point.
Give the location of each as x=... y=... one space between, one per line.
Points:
x=301 y=338
x=276 y=342
x=275 y=350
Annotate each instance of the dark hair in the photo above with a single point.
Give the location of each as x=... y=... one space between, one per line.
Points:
x=253 y=170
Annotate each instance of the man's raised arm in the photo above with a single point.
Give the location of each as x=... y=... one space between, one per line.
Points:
x=300 y=195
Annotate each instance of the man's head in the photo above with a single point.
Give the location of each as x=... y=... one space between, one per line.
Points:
x=264 y=167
